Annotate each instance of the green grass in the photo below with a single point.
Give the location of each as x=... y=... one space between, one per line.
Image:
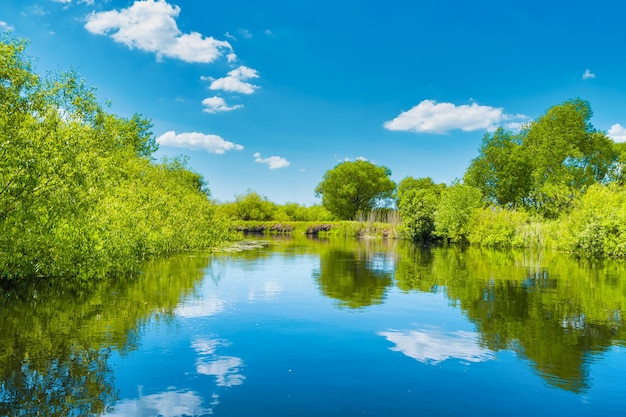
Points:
x=323 y=229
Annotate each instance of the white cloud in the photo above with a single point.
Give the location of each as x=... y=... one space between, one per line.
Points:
x=4 y=26
x=236 y=81
x=62 y=1
x=245 y=33
x=150 y=26
x=588 y=74
x=274 y=162
x=435 y=346
x=617 y=132
x=432 y=117
x=218 y=104
x=195 y=140
x=232 y=57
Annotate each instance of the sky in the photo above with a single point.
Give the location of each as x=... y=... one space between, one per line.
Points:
x=266 y=96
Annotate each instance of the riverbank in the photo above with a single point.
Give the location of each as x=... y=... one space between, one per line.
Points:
x=322 y=229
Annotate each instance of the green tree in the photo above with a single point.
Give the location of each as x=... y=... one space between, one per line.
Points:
x=567 y=156
x=548 y=164
x=454 y=211
x=250 y=206
x=502 y=169
x=417 y=201
x=355 y=187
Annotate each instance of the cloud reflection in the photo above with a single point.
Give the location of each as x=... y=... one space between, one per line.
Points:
x=201 y=308
x=226 y=369
x=435 y=346
x=165 y=404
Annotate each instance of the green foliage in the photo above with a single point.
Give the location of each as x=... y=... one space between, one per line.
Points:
x=79 y=196
x=597 y=224
x=352 y=277
x=548 y=164
x=250 y=206
x=57 y=336
x=503 y=228
x=502 y=169
x=547 y=307
x=417 y=202
x=344 y=228
x=454 y=210
x=355 y=187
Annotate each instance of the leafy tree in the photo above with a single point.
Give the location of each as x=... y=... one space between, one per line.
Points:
x=567 y=155
x=417 y=203
x=250 y=206
x=502 y=169
x=454 y=211
x=544 y=167
x=355 y=187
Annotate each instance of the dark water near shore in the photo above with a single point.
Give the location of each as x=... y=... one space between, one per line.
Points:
x=324 y=328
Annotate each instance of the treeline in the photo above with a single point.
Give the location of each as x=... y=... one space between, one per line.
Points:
x=79 y=193
x=557 y=183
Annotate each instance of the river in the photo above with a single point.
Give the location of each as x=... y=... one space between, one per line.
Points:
x=302 y=327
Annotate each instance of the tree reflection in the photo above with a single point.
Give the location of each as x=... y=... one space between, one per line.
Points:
x=56 y=339
x=552 y=309
x=358 y=276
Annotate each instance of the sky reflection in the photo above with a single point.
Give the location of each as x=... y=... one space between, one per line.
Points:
x=435 y=346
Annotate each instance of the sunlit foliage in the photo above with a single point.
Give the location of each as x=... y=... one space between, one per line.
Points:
x=79 y=195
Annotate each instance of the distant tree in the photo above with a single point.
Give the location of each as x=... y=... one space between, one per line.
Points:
x=355 y=187
x=250 y=206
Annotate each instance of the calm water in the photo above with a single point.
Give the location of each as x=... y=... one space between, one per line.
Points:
x=324 y=328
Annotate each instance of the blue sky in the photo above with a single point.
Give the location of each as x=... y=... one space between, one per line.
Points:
x=267 y=96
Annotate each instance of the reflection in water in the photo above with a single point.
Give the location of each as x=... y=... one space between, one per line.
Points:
x=226 y=369
x=56 y=338
x=164 y=404
x=552 y=309
x=57 y=341
x=357 y=277
x=434 y=346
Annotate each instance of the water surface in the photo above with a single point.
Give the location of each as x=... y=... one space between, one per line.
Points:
x=324 y=328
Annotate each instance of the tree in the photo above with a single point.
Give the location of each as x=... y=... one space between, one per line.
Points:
x=454 y=211
x=502 y=169
x=544 y=167
x=567 y=156
x=417 y=202
x=355 y=187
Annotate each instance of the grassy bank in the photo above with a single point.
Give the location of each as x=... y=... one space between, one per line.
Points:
x=323 y=229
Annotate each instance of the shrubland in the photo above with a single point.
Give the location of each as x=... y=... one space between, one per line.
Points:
x=80 y=195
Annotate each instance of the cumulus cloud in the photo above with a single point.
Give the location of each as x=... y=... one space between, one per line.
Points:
x=151 y=26
x=435 y=346
x=273 y=162
x=236 y=81
x=617 y=132
x=218 y=104
x=432 y=117
x=588 y=74
x=195 y=140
